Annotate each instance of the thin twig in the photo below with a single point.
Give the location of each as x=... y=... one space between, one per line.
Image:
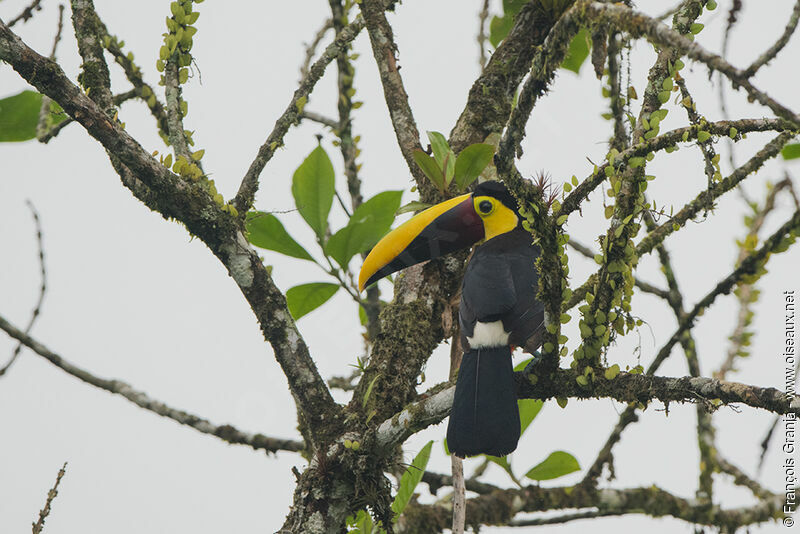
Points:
x=321 y=119
x=42 y=287
x=143 y=400
x=249 y=185
x=641 y=25
x=483 y=16
x=736 y=6
x=563 y=518
x=773 y=51
x=42 y=125
x=51 y=495
x=747 y=267
x=311 y=48
x=691 y=209
x=641 y=284
x=740 y=478
x=26 y=14
x=707 y=146
x=746 y=293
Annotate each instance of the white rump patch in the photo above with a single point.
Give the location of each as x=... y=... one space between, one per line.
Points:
x=488 y=335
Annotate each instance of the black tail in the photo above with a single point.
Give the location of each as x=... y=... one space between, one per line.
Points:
x=485 y=416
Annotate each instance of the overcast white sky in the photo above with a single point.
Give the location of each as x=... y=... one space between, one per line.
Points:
x=130 y=296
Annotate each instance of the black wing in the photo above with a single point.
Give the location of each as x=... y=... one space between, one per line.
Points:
x=487 y=293
x=500 y=283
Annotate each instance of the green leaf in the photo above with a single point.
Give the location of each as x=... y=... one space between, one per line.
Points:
x=313 y=190
x=361 y=523
x=440 y=147
x=369 y=390
x=430 y=168
x=471 y=162
x=558 y=464
x=264 y=230
x=410 y=479
x=306 y=298
x=19 y=115
x=449 y=168
x=499 y=28
x=528 y=410
x=791 y=151
x=512 y=7
x=412 y=206
x=368 y=224
x=578 y=51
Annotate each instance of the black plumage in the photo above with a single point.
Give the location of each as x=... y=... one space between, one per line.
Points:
x=500 y=284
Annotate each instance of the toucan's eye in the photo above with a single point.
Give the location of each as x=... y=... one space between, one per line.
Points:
x=485 y=207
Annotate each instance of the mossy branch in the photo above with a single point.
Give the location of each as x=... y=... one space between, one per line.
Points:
x=501 y=506
x=692 y=208
x=175 y=198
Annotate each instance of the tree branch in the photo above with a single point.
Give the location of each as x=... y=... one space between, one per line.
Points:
x=772 y=51
x=626 y=387
x=384 y=50
x=747 y=268
x=670 y=139
x=51 y=495
x=192 y=204
x=489 y=101
x=249 y=186
x=224 y=432
x=42 y=288
x=500 y=507
x=703 y=199
x=26 y=14
x=638 y=24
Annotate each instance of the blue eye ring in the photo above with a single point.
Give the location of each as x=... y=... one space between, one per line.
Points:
x=485 y=207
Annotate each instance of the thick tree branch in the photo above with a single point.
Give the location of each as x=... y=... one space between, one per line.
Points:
x=190 y=203
x=437 y=480
x=489 y=101
x=143 y=400
x=500 y=507
x=546 y=61
x=626 y=387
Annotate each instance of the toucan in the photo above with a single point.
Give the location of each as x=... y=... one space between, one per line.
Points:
x=498 y=312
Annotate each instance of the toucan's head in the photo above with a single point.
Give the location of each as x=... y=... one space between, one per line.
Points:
x=453 y=225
